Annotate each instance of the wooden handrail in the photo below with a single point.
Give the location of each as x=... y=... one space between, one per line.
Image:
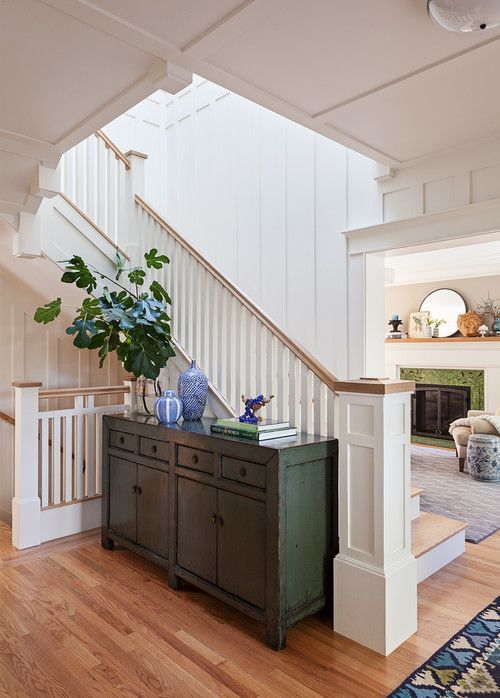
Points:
x=116 y=150
x=7 y=418
x=76 y=392
x=318 y=369
x=94 y=225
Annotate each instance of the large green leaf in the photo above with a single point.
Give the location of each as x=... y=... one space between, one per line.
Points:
x=83 y=331
x=78 y=272
x=159 y=292
x=48 y=312
x=154 y=260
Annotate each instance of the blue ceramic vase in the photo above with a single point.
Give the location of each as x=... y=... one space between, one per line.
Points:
x=193 y=391
x=168 y=407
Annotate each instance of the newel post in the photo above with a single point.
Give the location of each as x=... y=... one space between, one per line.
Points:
x=135 y=184
x=375 y=578
x=26 y=505
x=130 y=398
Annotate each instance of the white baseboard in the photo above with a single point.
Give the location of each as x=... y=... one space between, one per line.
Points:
x=441 y=555
x=67 y=520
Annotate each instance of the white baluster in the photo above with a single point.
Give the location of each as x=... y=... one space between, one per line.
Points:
x=44 y=452
x=67 y=459
x=56 y=460
x=90 y=459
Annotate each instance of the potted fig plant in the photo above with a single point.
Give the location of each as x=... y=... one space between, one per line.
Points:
x=122 y=317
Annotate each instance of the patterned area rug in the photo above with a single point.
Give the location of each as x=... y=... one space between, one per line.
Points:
x=468 y=666
x=454 y=494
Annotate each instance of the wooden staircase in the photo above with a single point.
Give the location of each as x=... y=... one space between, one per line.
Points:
x=435 y=540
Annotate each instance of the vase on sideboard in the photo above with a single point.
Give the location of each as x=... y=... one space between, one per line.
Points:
x=192 y=389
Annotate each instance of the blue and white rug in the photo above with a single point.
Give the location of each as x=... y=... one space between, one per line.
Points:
x=451 y=493
x=468 y=666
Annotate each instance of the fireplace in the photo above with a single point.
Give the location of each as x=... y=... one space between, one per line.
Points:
x=434 y=407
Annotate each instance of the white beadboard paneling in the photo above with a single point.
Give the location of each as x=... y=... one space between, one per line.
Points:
x=262 y=198
x=301 y=233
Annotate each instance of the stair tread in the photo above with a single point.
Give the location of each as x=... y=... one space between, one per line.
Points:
x=416 y=491
x=429 y=530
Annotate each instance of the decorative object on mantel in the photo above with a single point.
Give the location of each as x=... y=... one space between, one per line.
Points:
x=466 y=666
x=483 y=330
x=428 y=322
x=395 y=322
x=252 y=406
x=496 y=327
x=436 y=324
x=192 y=388
x=447 y=304
x=168 y=407
x=469 y=323
x=416 y=324
x=489 y=309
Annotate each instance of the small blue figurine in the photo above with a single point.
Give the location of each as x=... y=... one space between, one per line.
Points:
x=252 y=406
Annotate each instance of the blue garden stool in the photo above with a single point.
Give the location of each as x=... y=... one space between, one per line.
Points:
x=483 y=457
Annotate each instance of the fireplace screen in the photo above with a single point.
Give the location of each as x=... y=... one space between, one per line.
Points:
x=436 y=406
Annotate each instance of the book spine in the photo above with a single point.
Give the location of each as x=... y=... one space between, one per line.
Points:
x=228 y=431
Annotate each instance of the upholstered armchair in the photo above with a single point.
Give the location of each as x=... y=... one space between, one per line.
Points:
x=461 y=434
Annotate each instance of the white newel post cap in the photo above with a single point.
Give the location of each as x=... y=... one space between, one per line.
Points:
x=374 y=386
x=375 y=579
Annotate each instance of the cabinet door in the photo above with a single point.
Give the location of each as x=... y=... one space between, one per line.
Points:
x=122 y=497
x=241 y=566
x=197 y=528
x=152 y=510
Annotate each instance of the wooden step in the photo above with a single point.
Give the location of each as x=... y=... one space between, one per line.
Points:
x=429 y=530
x=416 y=492
x=435 y=541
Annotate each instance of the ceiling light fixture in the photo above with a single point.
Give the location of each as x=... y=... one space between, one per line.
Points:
x=465 y=15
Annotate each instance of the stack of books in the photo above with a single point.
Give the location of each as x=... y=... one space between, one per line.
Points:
x=263 y=431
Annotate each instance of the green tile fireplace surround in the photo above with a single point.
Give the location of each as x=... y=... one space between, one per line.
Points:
x=474 y=378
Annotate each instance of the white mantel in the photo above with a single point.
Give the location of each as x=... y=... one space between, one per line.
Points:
x=480 y=354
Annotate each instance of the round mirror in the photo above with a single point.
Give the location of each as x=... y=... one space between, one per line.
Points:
x=445 y=304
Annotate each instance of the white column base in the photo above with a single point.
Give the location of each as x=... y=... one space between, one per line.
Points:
x=26 y=520
x=386 y=614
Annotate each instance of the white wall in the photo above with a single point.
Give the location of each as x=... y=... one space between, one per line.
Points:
x=264 y=199
x=33 y=352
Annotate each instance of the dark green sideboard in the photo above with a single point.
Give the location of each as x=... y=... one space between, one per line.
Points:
x=252 y=524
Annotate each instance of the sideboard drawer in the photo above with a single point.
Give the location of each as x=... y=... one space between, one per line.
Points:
x=243 y=471
x=196 y=459
x=120 y=439
x=152 y=448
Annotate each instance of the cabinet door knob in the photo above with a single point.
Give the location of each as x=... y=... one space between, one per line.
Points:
x=195 y=459
x=243 y=471
x=214 y=518
x=139 y=490
x=221 y=521
x=121 y=440
x=134 y=489
x=153 y=449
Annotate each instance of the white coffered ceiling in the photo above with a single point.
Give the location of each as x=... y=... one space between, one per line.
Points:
x=379 y=77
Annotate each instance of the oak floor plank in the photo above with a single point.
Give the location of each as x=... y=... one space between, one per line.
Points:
x=78 y=620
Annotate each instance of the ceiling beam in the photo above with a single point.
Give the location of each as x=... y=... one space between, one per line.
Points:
x=27 y=147
x=161 y=75
x=97 y=17
x=244 y=17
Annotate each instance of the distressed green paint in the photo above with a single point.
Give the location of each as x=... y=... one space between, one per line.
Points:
x=308 y=532
x=450 y=376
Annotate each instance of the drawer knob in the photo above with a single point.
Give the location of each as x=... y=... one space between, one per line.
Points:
x=214 y=518
x=195 y=459
x=243 y=471
x=153 y=449
x=121 y=440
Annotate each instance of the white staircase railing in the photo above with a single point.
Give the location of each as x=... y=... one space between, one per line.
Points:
x=93 y=175
x=239 y=348
x=58 y=459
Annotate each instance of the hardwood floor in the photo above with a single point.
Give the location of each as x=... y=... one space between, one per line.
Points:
x=76 y=620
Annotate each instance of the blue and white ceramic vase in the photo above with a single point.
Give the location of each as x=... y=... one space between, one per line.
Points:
x=168 y=407
x=193 y=391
